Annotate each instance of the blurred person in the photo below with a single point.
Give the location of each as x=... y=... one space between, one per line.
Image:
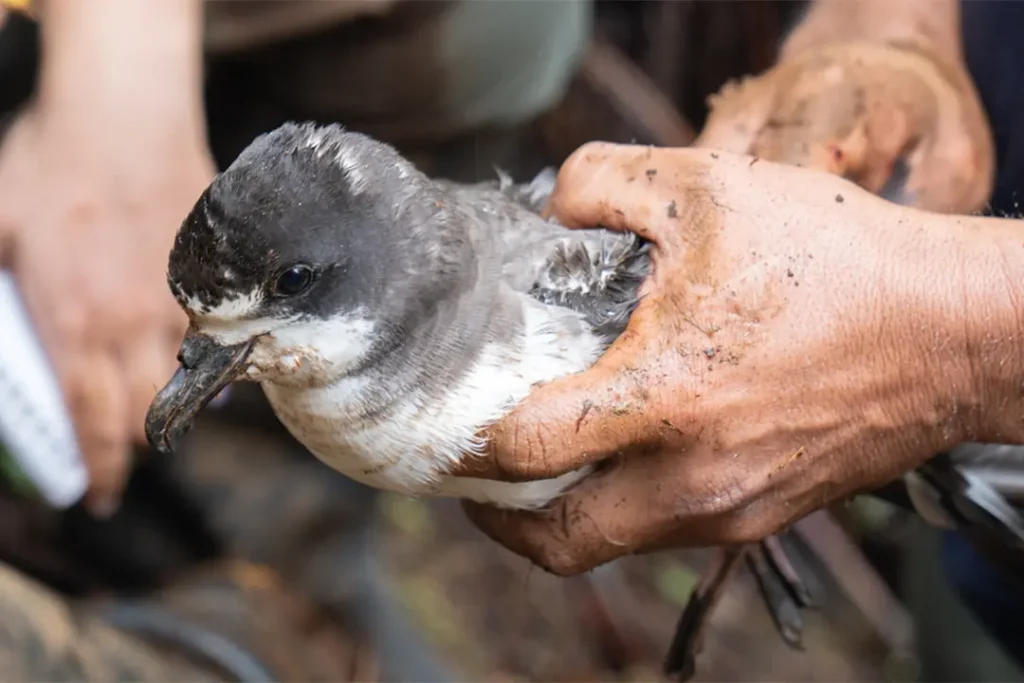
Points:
x=122 y=133
x=801 y=340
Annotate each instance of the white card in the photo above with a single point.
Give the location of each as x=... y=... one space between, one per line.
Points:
x=35 y=426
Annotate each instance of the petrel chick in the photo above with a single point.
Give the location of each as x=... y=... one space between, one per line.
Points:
x=389 y=317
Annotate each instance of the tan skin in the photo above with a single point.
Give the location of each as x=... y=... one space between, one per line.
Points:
x=95 y=177
x=801 y=340
x=860 y=85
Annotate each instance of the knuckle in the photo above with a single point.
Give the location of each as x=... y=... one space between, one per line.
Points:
x=538 y=459
x=522 y=451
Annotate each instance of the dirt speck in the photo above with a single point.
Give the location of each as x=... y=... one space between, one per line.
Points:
x=709 y=352
x=789 y=272
x=673 y=210
x=714 y=155
x=793 y=457
x=840 y=199
x=754 y=161
x=668 y=423
x=587 y=406
x=651 y=172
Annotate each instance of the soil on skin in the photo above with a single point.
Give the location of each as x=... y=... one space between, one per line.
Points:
x=497 y=619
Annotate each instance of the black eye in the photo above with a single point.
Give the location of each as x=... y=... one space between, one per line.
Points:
x=295 y=280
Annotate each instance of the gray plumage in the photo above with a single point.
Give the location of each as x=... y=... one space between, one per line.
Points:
x=597 y=274
x=976 y=488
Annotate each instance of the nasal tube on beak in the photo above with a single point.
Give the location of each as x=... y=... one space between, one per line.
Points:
x=205 y=368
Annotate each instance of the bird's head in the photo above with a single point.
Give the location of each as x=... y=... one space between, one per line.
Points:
x=314 y=253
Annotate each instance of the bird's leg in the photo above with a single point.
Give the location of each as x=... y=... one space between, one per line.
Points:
x=779 y=576
x=680 y=663
x=774 y=589
x=775 y=552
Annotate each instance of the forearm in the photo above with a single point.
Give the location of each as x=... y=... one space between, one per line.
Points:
x=930 y=25
x=112 y=57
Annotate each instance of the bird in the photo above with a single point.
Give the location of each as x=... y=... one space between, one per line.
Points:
x=389 y=317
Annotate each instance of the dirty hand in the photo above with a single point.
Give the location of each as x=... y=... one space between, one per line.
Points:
x=88 y=211
x=871 y=112
x=793 y=348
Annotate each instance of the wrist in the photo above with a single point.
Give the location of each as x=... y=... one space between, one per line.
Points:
x=106 y=61
x=991 y=278
x=928 y=26
x=959 y=302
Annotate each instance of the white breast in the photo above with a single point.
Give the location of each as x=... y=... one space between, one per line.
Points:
x=411 y=451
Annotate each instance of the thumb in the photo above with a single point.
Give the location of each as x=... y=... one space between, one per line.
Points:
x=576 y=420
x=99 y=408
x=641 y=189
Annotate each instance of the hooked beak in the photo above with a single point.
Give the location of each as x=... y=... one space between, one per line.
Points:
x=205 y=368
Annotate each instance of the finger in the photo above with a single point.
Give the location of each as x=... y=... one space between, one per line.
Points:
x=628 y=509
x=581 y=419
x=951 y=175
x=149 y=365
x=738 y=113
x=6 y=244
x=98 y=402
x=645 y=190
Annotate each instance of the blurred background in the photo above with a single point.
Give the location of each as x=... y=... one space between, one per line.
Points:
x=243 y=556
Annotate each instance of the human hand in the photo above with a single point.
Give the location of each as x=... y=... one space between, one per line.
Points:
x=862 y=110
x=88 y=212
x=763 y=375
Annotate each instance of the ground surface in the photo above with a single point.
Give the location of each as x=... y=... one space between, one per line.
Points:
x=496 y=619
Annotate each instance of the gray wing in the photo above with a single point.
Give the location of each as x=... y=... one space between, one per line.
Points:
x=976 y=488
x=595 y=272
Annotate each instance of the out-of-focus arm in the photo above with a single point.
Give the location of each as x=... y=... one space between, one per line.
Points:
x=929 y=25
x=104 y=57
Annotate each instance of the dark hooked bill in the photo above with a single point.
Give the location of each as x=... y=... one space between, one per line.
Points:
x=205 y=368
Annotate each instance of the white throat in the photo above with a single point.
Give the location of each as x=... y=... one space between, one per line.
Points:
x=302 y=351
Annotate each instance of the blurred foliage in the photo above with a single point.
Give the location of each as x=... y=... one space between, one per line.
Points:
x=11 y=472
x=675 y=582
